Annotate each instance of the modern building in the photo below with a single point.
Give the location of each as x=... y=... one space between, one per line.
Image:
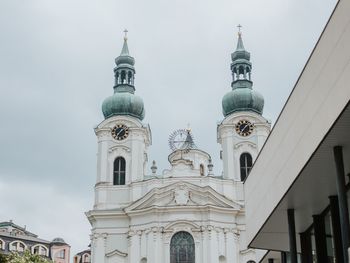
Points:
x=184 y=214
x=14 y=238
x=297 y=193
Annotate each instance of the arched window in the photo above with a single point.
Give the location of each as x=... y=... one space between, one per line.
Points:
x=143 y=260
x=222 y=259
x=201 y=169
x=40 y=250
x=130 y=78
x=248 y=73
x=119 y=171
x=182 y=248
x=246 y=163
x=86 y=258
x=17 y=246
x=123 y=77
x=241 y=72
x=2 y=244
x=117 y=78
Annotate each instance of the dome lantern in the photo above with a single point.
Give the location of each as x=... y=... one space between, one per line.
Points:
x=124 y=101
x=242 y=97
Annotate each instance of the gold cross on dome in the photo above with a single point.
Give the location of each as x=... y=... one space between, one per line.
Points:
x=239 y=28
x=126 y=33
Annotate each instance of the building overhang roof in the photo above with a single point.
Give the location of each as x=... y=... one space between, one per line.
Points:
x=309 y=192
x=295 y=168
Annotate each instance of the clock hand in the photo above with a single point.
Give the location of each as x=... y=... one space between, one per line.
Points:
x=119 y=132
x=244 y=127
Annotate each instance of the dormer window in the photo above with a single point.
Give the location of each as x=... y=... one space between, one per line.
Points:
x=86 y=258
x=16 y=233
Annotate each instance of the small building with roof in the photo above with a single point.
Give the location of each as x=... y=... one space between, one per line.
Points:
x=14 y=238
x=83 y=256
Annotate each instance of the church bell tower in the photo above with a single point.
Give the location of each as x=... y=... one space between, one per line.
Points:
x=123 y=139
x=243 y=130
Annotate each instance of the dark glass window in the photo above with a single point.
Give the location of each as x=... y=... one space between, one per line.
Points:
x=119 y=171
x=182 y=248
x=201 y=169
x=246 y=163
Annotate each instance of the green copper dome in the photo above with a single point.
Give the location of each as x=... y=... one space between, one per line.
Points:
x=242 y=97
x=124 y=101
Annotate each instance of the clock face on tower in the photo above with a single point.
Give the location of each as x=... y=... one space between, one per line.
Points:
x=120 y=132
x=244 y=128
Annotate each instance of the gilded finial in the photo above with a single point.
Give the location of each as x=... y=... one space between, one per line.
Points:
x=125 y=34
x=239 y=29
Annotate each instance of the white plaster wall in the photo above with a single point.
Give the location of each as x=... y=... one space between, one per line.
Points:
x=148 y=236
x=123 y=236
x=233 y=145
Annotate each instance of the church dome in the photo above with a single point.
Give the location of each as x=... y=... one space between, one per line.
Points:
x=123 y=103
x=58 y=240
x=240 y=54
x=125 y=59
x=242 y=99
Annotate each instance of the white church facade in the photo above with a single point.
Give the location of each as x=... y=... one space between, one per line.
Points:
x=185 y=214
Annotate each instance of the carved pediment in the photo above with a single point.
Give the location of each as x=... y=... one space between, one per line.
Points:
x=116 y=253
x=182 y=195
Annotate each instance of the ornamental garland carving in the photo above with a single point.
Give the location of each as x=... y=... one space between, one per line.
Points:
x=119 y=147
x=167 y=234
x=238 y=145
x=103 y=134
x=98 y=235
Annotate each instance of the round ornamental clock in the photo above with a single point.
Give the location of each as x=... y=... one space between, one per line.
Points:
x=244 y=128
x=181 y=139
x=120 y=132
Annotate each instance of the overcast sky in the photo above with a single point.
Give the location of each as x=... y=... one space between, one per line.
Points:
x=56 y=68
